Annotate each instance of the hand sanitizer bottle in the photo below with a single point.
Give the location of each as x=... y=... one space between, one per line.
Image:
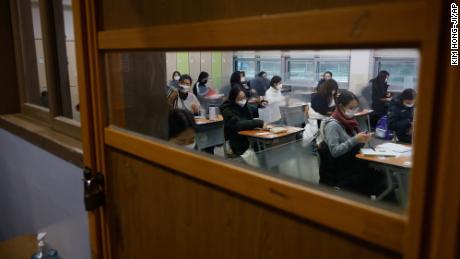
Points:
x=43 y=251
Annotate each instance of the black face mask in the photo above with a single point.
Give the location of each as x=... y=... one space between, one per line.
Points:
x=204 y=82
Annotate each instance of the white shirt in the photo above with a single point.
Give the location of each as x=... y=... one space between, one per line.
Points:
x=187 y=103
x=273 y=95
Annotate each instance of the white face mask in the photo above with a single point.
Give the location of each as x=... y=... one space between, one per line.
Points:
x=191 y=146
x=409 y=105
x=243 y=79
x=176 y=78
x=279 y=86
x=241 y=103
x=350 y=113
x=184 y=88
x=333 y=93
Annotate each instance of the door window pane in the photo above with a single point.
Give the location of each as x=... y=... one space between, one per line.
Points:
x=299 y=144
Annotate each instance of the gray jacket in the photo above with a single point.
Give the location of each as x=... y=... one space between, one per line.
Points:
x=337 y=139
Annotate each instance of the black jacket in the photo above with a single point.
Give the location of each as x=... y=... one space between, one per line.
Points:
x=379 y=91
x=321 y=104
x=400 y=120
x=237 y=119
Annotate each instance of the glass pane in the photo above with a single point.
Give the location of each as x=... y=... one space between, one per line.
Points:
x=70 y=55
x=249 y=67
x=272 y=68
x=340 y=70
x=301 y=71
x=36 y=84
x=403 y=73
x=321 y=141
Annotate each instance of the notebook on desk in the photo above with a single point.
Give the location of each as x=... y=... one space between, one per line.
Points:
x=379 y=152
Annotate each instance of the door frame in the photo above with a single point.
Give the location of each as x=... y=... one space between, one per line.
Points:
x=419 y=24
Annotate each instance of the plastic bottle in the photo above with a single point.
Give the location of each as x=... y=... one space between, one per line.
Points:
x=44 y=252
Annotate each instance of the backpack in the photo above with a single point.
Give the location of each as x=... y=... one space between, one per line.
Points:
x=381 y=129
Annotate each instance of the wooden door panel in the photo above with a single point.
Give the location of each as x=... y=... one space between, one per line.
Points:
x=159 y=213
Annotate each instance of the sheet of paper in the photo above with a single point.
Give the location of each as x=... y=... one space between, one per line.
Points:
x=398 y=148
x=372 y=152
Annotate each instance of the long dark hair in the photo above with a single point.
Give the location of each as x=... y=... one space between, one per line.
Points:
x=326 y=88
x=275 y=80
x=407 y=94
x=235 y=78
x=179 y=120
x=346 y=97
x=175 y=72
x=201 y=76
x=379 y=80
x=234 y=93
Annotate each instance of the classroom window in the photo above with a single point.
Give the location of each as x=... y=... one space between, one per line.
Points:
x=70 y=57
x=248 y=66
x=301 y=70
x=289 y=148
x=403 y=72
x=340 y=70
x=33 y=58
x=44 y=39
x=271 y=67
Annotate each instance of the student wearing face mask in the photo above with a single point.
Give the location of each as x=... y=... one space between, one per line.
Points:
x=237 y=79
x=175 y=79
x=323 y=102
x=326 y=76
x=380 y=96
x=181 y=128
x=273 y=94
x=343 y=139
x=183 y=98
x=200 y=88
x=401 y=115
x=239 y=115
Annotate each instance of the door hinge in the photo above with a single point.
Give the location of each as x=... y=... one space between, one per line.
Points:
x=93 y=189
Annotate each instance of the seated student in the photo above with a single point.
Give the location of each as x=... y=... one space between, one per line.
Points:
x=175 y=79
x=238 y=115
x=181 y=129
x=273 y=94
x=326 y=76
x=260 y=83
x=342 y=141
x=323 y=101
x=200 y=89
x=238 y=80
x=183 y=98
x=401 y=115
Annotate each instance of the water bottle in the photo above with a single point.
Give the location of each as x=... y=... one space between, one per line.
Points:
x=44 y=252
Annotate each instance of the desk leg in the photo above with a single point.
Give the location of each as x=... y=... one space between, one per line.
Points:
x=369 y=123
x=402 y=192
x=390 y=185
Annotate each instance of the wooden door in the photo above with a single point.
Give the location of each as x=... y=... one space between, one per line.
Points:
x=163 y=201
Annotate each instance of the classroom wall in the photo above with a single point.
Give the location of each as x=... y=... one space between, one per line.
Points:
x=361 y=62
x=217 y=63
x=41 y=192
